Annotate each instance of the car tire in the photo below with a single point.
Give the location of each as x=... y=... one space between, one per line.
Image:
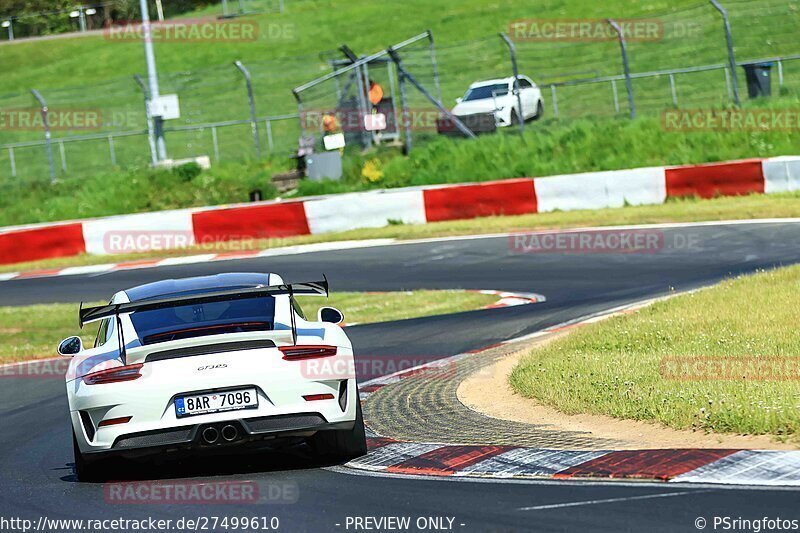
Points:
x=539 y=111
x=87 y=470
x=514 y=118
x=341 y=445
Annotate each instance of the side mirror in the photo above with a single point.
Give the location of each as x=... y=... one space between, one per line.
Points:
x=70 y=346
x=330 y=314
x=459 y=100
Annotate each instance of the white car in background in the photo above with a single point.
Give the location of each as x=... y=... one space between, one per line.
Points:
x=211 y=364
x=498 y=97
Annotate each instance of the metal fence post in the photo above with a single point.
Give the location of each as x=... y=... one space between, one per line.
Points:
x=251 y=99
x=111 y=149
x=624 y=49
x=63 y=156
x=215 y=142
x=401 y=84
x=731 y=57
x=728 y=82
x=151 y=137
x=268 y=124
x=435 y=66
x=12 y=161
x=362 y=93
x=9 y=23
x=407 y=75
x=780 y=74
x=82 y=18
x=673 y=90
x=47 y=137
x=512 y=51
x=616 y=97
x=300 y=112
x=554 y=98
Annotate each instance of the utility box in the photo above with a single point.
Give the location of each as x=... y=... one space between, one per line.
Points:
x=758 y=79
x=324 y=165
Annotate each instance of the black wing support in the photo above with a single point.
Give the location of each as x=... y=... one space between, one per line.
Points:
x=92 y=314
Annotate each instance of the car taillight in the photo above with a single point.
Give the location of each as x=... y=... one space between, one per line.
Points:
x=298 y=353
x=114 y=375
x=114 y=421
x=317 y=397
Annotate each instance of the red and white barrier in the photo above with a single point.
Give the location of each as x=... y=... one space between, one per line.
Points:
x=364 y=210
x=595 y=190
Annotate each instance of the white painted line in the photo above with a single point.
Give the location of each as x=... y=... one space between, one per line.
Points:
x=8 y=275
x=88 y=269
x=187 y=260
x=611 y=500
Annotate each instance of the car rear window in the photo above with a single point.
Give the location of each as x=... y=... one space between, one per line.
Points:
x=197 y=320
x=487 y=91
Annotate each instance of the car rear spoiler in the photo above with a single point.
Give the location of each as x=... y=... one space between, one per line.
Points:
x=93 y=314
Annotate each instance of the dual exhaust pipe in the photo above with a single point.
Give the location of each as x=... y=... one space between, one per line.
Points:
x=228 y=433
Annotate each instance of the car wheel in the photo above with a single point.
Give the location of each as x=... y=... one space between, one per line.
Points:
x=539 y=111
x=514 y=118
x=341 y=445
x=87 y=469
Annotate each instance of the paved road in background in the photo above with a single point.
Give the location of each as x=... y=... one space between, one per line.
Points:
x=37 y=476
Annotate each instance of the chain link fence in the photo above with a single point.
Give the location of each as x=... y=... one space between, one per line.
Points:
x=677 y=59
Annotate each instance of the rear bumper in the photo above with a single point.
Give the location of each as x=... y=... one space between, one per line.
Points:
x=148 y=403
x=249 y=431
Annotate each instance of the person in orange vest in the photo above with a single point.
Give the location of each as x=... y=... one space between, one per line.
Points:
x=375 y=93
x=329 y=124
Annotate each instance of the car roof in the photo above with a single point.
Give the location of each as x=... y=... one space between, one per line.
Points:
x=495 y=81
x=227 y=281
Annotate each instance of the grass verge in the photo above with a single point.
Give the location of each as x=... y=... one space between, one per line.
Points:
x=682 y=210
x=33 y=332
x=549 y=147
x=724 y=359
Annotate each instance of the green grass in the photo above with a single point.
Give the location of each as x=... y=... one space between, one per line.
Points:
x=33 y=332
x=96 y=73
x=548 y=148
x=784 y=205
x=659 y=363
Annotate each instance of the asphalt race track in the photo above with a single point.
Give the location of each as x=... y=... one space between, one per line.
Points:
x=36 y=470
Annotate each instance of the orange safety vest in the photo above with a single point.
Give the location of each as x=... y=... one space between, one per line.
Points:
x=375 y=93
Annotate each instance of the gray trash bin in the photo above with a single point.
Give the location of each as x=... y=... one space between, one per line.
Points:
x=324 y=165
x=758 y=79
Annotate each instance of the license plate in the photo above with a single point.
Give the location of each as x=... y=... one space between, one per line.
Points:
x=215 y=402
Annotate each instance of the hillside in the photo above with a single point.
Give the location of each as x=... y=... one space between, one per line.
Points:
x=96 y=72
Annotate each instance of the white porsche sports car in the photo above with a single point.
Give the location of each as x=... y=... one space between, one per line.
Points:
x=209 y=363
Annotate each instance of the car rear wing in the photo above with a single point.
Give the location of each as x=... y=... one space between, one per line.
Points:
x=93 y=314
